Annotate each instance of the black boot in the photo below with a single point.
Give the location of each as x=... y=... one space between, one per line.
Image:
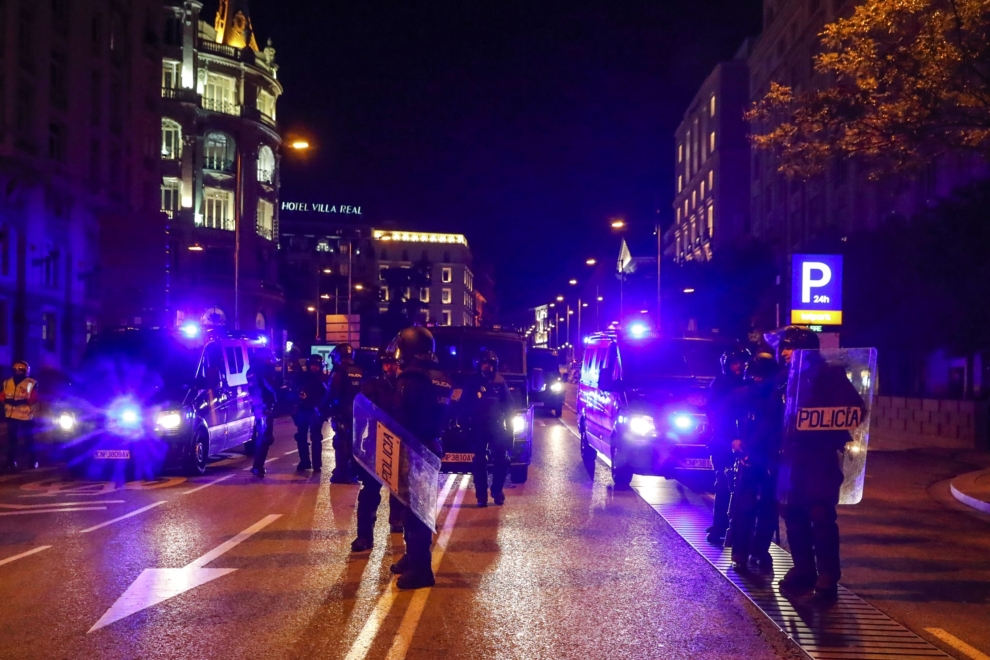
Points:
x=499 y=498
x=258 y=472
x=361 y=544
x=416 y=579
x=400 y=566
x=796 y=582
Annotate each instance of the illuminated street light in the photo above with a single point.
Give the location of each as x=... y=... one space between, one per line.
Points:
x=560 y=298
x=584 y=304
x=591 y=262
x=552 y=305
x=572 y=282
x=195 y=247
x=358 y=287
x=300 y=145
x=688 y=290
x=600 y=298
x=325 y=296
x=327 y=271
x=618 y=223
x=310 y=309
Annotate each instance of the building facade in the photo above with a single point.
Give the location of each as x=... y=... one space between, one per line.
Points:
x=219 y=184
x=78 y=166
x=711 y=206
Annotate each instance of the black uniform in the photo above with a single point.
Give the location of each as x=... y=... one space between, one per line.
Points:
x=723 y=416
x=423 y=398
x=753 y=509
x=260 y=378
x=488 y=408
x=810 y=479
x=345 y=384
x=383 y=392
x=309 y=418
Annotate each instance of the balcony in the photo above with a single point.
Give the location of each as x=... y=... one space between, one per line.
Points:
x=220 y=105
x=180 y=94
x=257 y=115
x=218 y=164
x=223 y=50
x=265 y=231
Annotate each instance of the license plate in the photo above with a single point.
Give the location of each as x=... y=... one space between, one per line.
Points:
x=457 y=457
x=112 y=454
x=698 y=463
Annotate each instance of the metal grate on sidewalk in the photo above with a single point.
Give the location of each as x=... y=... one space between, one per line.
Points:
x=849 y=629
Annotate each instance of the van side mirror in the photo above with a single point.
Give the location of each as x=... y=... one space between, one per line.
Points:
x=537 y=380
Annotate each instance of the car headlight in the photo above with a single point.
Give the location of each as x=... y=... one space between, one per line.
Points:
x=642 y=425
x=169 y=420
x=518 y=424
x=65 y=421
x=557 y=387
x=682 y=422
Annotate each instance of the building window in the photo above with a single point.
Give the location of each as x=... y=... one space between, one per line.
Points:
x=383 y=294
x=217 y=209
x=424 y=295
x=48 y=322
x=59 y=80
x=95 y=174
x=711 y=141
x=711 y=106
x=445 y=296
x=711 y=180
x=96 y=35
x=173 y=30
x=678 y=215
x=171 y=140
x=680 y=153
x=57 y=141
x=702 y=190
x=266 y=104
x=445 y=317
x=219 y=152
x=266 y=164
x=711 y=221
x=694 y=199
x=218 y=94
x=25 y=37
x=171 y=75
x=25 y=109
x=266 y=219
x=468 y=280
x=4 y=323
x=96 y=98
x=446 y=275
x=170 y=196
x=680 y=182
x=116 y=107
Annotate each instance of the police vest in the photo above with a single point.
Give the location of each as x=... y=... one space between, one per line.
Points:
x=23 y=391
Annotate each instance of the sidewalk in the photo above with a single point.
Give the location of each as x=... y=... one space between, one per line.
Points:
x=973 y=489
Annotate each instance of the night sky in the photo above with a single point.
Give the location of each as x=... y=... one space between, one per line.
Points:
x=524 y=125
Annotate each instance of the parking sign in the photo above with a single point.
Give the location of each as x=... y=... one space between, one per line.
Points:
x=816 y=289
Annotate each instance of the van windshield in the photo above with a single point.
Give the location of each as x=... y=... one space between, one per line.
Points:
x=459 y=356
x=643 y=362
x=543 y=359
x=140 y=365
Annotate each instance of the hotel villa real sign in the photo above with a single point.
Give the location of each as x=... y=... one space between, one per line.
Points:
x=310 y=207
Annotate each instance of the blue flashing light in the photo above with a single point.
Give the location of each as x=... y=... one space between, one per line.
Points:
x=683 y=422
x=129 y=416
x=453 y=350
x=638 y=330
x=190 y=330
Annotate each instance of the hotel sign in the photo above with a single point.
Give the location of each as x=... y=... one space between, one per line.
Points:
x=816 y=289
x=311 y=207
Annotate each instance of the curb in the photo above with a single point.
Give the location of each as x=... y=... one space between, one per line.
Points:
x=967 y=482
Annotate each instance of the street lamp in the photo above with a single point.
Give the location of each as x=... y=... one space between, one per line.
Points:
x=591 y=262
x=572 y=282
x=618 y=223
x=195 y=247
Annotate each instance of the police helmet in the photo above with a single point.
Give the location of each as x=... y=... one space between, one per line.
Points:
x=762 y=365
x=22 y=368
x=732 y=355
x=315 y=360
x=797 y=338
x=486 y=356
x=342 y=352
x=386 y=356
x=413 y=343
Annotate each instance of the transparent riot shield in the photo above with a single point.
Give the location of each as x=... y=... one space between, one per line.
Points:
x=829 y=397
x=396 y=459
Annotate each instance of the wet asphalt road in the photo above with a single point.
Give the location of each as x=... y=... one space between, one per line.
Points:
x=567 y=569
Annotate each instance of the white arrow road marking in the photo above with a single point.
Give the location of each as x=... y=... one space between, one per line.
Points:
x=207 y=485
x=156 y=585
x=54 y=505
x=24 y=554
x=123 y=517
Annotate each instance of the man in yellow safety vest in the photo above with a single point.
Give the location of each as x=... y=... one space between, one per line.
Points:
x=19 y=396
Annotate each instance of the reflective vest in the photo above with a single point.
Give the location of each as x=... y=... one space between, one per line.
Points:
x=26 y=391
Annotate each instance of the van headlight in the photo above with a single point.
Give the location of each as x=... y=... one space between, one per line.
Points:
x=518 y=424
x=557 y=387
x=65 y=421
x=642 y=425
x=169 y=420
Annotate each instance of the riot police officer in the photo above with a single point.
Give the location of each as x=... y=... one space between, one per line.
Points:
x=753 y=507
x=345 y=384
x=381 y=391
x=19 y=398
x=724 y=424
x=261 y=388
x=810 y=475
x=309 y=415
x=422 y=400
x=488 y=408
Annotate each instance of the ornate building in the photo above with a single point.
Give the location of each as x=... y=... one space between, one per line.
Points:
x=219 y=151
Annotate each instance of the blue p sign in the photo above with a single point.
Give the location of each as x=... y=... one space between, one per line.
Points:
x=816 y=289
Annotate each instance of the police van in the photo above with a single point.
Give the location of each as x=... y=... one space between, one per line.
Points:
x=145 y=400
x=641 y=402
x=457 y=348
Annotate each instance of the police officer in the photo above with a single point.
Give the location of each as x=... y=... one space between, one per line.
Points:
x=723 y=419
x=20 y=396
x=381 y=391
x=422 y=400
x=345 y=384
x=810 y=474
x=753 y=508
x=309 y=415
x=488 y=407
x=261 y=388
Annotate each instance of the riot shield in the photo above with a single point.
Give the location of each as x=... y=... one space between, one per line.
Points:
x=829 y=397
x=396 y=459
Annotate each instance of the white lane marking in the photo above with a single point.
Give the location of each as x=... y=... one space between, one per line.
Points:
x=55 y=505
x=207 y=485
x=156 y=585
x=294 y=451
x=359 y=650
x=24 y=554
x=958 y=644
x=410 y=620
x=62 y=510
x=123 y=517
x=272 y=459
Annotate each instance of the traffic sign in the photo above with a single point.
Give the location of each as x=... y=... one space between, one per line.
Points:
x=816 y=289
